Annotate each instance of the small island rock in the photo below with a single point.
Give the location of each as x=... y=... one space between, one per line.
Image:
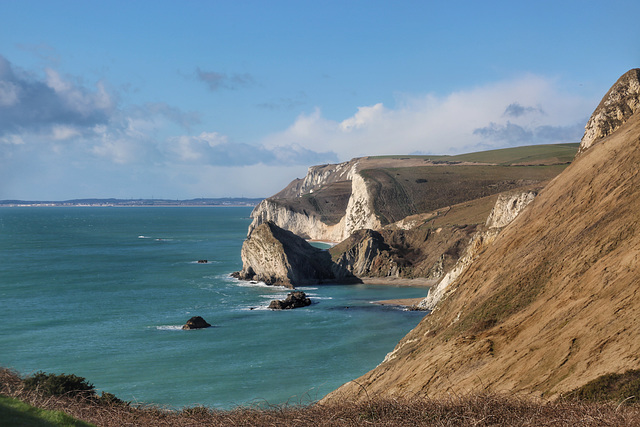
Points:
x=196 y=322
x=294 y=300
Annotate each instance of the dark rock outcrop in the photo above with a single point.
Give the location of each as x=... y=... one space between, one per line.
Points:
x=294 y=300
x=419 y=252
x=279 y=257
x=196 y=322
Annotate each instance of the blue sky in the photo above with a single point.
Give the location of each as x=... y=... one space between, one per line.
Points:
x=182 y=99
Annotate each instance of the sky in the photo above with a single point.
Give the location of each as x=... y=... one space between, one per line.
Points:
x=188 y=99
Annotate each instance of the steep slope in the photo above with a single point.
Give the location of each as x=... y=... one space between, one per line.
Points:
x=553 y=303
x=507 y=208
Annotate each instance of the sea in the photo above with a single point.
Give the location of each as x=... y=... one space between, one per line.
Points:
x=102 y=292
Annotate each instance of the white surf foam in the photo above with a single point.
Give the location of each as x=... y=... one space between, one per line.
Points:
x=169 y=328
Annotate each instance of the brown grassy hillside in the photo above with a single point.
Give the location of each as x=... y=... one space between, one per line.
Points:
x=551 y=305
x=401 y=192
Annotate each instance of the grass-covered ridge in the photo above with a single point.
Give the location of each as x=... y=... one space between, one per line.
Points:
x=22 y=405
x=531 y=154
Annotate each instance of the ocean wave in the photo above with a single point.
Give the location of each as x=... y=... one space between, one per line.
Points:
x=274 y=296
x=169 y=328
x=254 y=284
x=157 y=239
x=259 y=307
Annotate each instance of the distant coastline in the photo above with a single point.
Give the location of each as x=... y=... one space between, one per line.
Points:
x=204 y=202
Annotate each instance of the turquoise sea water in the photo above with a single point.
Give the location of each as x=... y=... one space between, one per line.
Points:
x=102 y=293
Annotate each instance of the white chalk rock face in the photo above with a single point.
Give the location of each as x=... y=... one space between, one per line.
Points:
x=359 y=213
x=619 y=103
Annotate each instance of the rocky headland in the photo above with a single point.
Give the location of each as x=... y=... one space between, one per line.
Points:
x=390 y=217
x=552 y=302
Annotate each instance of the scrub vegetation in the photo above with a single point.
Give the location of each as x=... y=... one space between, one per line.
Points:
x=23 y=404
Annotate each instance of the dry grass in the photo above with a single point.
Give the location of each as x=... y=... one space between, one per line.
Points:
x=474 y=410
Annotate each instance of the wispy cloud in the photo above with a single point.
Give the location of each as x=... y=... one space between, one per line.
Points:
x=215 y=80
x=212 y=148
x=284 y=103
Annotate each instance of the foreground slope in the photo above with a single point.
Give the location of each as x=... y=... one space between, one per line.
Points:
x=552 y=304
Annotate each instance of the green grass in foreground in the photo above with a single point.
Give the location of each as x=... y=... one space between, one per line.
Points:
x=14 y=412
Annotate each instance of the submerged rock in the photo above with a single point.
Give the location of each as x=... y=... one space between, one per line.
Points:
x=196 y=322
x=294 y=300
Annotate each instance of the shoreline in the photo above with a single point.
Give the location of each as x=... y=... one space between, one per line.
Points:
x=402 y=302
x=398 y=281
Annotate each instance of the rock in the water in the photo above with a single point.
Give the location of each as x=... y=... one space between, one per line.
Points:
x=294 y=300
x=196 y=322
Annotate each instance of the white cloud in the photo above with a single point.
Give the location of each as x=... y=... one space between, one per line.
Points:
x=447 y=124
x=365 y=116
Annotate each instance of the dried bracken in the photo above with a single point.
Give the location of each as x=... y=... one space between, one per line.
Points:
x=472 y=410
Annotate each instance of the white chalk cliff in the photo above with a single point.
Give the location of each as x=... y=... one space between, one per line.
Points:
x=359 y=212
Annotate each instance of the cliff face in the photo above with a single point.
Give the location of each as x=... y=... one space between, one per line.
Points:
x=553 y=303
x=359 y=213
x=303 y=223
x=320 y=206
x=317 y=177
x=279 y=257
x=620 y=103
x=303 y=214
